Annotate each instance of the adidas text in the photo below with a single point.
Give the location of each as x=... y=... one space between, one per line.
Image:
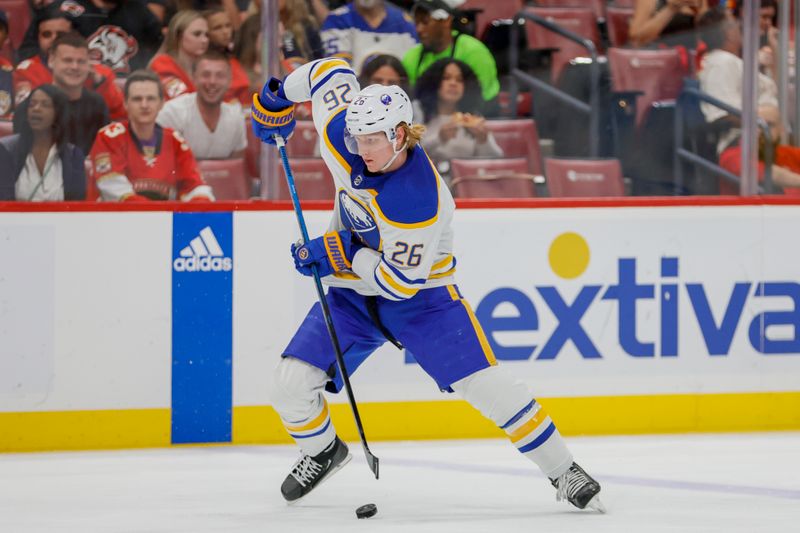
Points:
x=202 y=264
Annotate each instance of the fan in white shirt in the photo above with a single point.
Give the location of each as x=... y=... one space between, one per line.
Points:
x=722 y=71
x=214 y=129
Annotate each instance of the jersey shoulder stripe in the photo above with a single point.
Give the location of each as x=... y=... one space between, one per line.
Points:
x=322 y=67
x=333 y=136
x=418 y=179
x=328 y=76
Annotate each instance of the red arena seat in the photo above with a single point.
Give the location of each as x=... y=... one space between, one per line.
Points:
x=252 y=153
x=598 y=7
x=312 y=179
x=518 y=138
x=618 y=20
x=657 y=74
x=492 y=178
x=6 y=128
x=228 y=178
x=304 y=141
x=19 y=18
x=491 y=10
x=578 y=20
x=584 y=177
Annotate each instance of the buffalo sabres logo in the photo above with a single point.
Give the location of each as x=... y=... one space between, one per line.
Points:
x=112 y=46
x=386 y=99
x=357 y=218
x=302 y=253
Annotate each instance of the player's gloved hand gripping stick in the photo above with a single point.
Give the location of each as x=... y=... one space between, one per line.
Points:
x=273 y=122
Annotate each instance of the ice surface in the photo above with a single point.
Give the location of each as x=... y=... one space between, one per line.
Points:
x=677 y=483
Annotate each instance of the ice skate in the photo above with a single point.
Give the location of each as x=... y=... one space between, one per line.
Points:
x=308 y=472
x=579 y=489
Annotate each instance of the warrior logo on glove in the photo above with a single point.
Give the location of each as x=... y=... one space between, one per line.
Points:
x=272 y=113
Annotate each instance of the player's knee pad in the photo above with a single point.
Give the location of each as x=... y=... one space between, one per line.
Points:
x=295 y=388
x=495 y=393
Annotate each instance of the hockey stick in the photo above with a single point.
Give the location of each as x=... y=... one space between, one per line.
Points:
x=372 y=461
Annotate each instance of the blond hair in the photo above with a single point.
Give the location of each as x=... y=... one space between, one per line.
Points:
x=296 y=17
x=177 y=27
x=413 y=133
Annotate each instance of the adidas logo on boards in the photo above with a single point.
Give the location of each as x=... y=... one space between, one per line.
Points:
x=204 y=254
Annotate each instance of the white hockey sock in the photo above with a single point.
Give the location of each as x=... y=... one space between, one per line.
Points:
x=535 y=436
x=507 y=402
x=312 y=434
x=296 y=392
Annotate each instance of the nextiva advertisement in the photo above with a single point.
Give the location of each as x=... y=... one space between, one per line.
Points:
x=773 y=331
x=202 y=300
x=630 y=300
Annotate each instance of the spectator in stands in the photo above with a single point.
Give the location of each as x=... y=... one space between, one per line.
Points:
x=32 y=71
x=384 y=69
x=786 y=159
x=451 y=100
x=366 y=28
x=4 y=62
x=671 y=22
x=438 y=40
x=35 y=71
x=6 y=70
x=187 y=40
x=138 y=160
x=212 y=128
x=721 y=73
x=38 y=164
x=220 y=38
x=300 y=38
x=768 y=38
x=247 y=51
x=69 y=61
x=122 y=34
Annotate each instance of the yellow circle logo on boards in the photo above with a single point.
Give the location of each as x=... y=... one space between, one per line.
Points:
x=569 y=255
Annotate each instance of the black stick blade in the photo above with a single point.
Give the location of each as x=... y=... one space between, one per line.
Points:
x=372 y=462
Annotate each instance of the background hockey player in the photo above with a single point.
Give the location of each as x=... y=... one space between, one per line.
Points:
x=388 y=261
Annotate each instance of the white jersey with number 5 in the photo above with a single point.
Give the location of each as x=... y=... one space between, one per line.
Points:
x=402 y=217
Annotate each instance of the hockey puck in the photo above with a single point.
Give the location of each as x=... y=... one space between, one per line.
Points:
x=367 y=511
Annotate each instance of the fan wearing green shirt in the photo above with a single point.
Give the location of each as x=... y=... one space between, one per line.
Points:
x=438 y=40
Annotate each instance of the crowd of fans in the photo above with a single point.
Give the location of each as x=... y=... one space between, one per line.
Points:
x=118 y=99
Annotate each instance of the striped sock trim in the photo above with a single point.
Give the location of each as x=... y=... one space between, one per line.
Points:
x=313 y=427
x=529 y=428
x=320 y=432
x=538 y=441
x=522 y=412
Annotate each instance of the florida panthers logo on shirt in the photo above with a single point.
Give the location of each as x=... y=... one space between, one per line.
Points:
x=112 y=46
x=356 y=217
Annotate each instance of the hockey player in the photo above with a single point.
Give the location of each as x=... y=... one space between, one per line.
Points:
x=388 y=261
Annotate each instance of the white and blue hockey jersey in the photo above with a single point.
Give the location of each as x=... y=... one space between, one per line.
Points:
x=403 y=217
x=346 y=34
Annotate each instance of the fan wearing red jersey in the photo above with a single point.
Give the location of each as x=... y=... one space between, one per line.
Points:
x=35 y=70
x=138 y=160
